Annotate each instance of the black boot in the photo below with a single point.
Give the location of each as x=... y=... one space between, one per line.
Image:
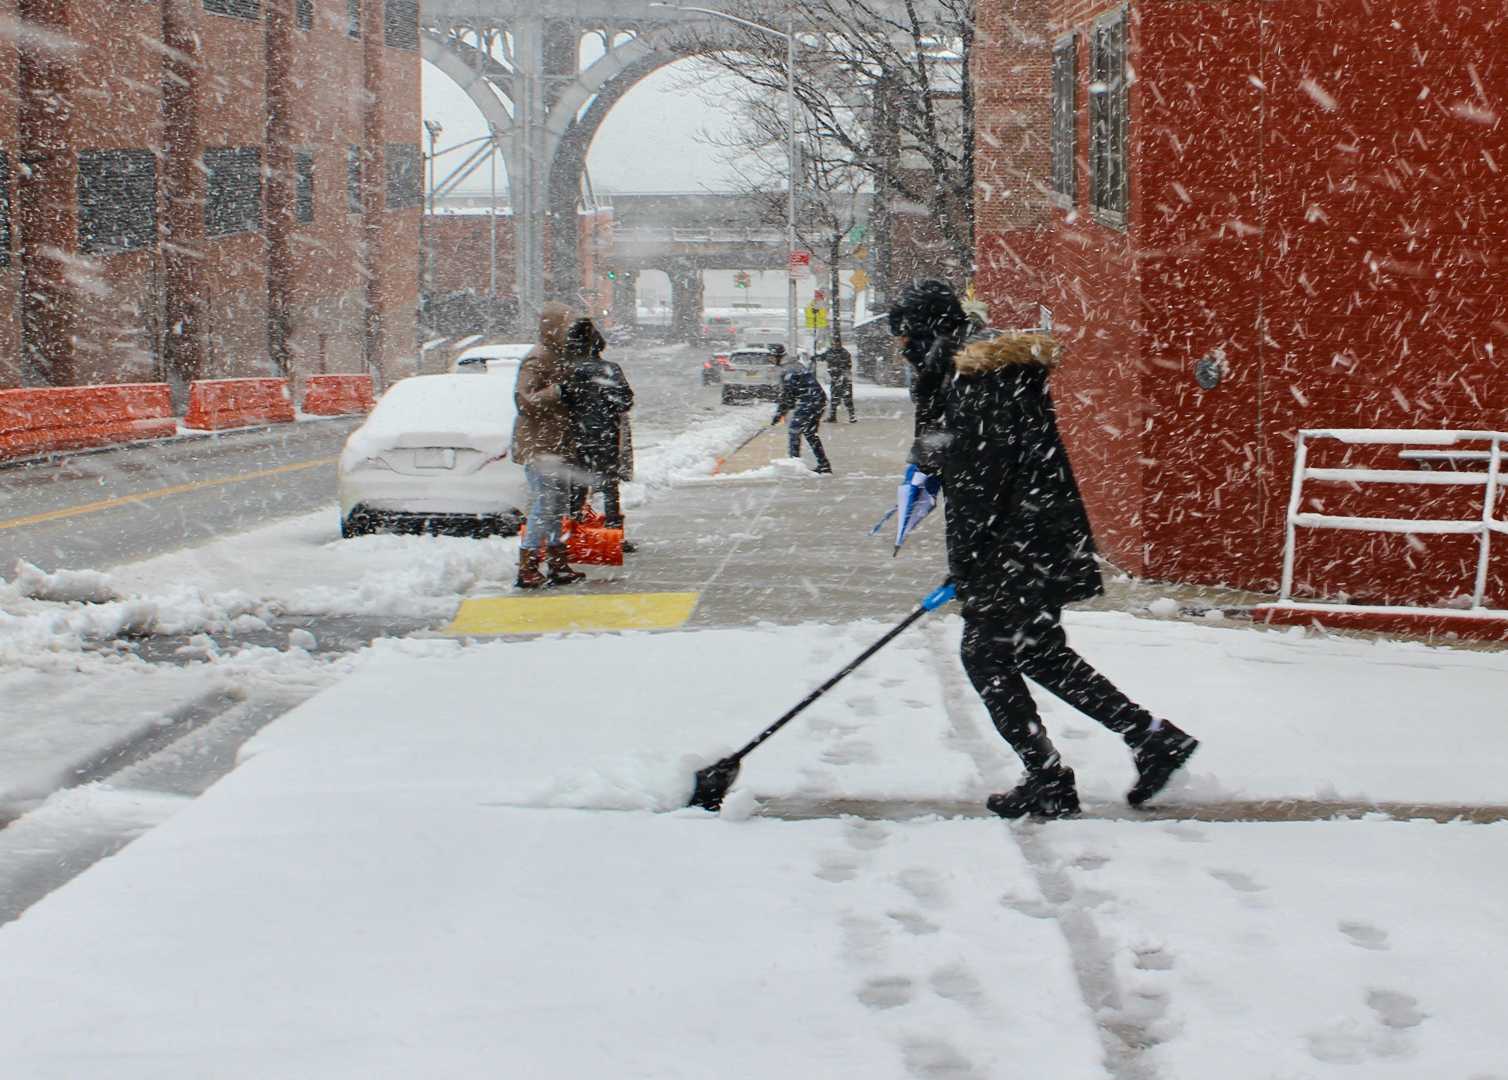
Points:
x=1158 y=755
x=560 y=572
x=1045 y=793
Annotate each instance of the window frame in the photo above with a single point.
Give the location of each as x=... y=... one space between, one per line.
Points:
x=404 y=35
x=227 y=9
x=210 y=205
x=303 y=185
x=353 y=19
x=90 y=241
x=303 y=15
x=1065 y=123
x=6 y=184
x=1110 y=121
x=403 y=162
x=355 y=166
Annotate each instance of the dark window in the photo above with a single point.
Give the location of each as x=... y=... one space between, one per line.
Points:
x=303 y=185
x=353 y=179
x=303 y=14
x=236 y=9
x=404 y=189
x=1108 y=98
x=233 y=195
x=117 y=201
x=1065 y=115
x=353 y=18
x=4 y=208
x=400 y=23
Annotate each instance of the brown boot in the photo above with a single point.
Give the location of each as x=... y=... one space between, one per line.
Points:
x=560 y=570
x=529 y=576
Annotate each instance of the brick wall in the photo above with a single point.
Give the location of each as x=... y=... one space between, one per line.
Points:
x=1316 y=192
x=194 y=297
x=10 y=267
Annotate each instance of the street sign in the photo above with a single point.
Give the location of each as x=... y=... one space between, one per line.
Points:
x=859 y=280
x=816 y=318
x=800 y=263
x=819 y=296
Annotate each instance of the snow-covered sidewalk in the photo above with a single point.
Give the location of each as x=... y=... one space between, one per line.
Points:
x=469 y=862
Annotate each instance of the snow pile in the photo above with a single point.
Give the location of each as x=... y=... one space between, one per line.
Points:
x=690 y=455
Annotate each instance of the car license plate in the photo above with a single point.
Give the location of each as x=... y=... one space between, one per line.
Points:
x=439 y=458
x=753 y=374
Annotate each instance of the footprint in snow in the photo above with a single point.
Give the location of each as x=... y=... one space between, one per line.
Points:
x=850 y=752
x=1395 y=1009
x=934 y=1059
x=862 y=704
x=925 y=887
x=837 y=867
x=1365 y=935
x=956 y=982
x=1237 y=880
x=886 y=992
x=1153 y=958
x=866 y=835
x=914 y=923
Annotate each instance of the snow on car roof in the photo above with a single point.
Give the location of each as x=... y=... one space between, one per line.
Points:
x=439 y=410
x=507 y=351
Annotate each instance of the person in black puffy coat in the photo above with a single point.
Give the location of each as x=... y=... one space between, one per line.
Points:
x=599 y=398
x=1019 y=543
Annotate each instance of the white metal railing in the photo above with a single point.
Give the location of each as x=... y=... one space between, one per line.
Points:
x=1491 y=482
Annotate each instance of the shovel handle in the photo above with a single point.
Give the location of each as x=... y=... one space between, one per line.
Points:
x=934 y=600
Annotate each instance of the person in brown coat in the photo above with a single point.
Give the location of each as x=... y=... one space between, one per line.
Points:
x=542 y=445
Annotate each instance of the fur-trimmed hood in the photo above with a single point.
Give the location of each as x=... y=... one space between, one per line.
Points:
x=982 y=355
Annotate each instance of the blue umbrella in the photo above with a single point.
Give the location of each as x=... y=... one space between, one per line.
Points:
x=915 y=498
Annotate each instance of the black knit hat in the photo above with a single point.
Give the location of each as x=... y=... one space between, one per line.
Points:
x=926 y=308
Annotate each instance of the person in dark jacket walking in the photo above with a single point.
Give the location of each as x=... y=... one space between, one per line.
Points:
x=599 y=399
x=840 y=380
x=1019 y=544
x=801 y=398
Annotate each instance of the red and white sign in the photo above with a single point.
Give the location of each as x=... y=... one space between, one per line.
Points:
x=800 y=263
x=819 y=296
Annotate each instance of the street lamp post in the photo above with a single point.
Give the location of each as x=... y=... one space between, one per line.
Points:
x=789 y=34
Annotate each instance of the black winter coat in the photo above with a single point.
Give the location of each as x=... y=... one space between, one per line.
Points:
x=599 y=397
x=1018 y=535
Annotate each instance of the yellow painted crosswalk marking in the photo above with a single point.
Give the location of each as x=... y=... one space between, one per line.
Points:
x=565 y=614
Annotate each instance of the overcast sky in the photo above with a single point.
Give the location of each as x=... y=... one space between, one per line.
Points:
x=647 y=143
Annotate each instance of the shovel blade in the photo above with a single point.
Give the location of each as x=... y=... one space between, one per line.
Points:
x=712 y=784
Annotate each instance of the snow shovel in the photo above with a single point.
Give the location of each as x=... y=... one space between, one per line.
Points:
x=713 y=782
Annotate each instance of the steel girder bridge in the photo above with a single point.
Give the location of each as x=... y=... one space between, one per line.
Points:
x=520 y=61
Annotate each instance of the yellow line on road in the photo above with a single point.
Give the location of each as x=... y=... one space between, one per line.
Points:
x=147 y=496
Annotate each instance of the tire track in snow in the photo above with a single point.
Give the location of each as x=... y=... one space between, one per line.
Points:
x=1125 y=1032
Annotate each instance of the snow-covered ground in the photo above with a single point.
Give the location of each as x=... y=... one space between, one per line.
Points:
x=469 y=862
x=73 y=683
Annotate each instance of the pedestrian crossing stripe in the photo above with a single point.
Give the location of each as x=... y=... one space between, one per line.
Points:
x=497 y=615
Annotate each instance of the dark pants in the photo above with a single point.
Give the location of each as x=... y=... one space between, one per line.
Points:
x=807 y=426
x=612 y=502
x=997 y=655
x=842 y=393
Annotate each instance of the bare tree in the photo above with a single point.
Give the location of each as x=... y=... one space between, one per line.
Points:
x=833 y=194
x=884 y=88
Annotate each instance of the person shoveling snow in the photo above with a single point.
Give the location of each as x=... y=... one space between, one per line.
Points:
x=1019 y=543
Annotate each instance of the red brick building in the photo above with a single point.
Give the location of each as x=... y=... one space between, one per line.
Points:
x=1309 y=196
x=205 y=188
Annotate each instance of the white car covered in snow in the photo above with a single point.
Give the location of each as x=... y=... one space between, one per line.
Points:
x=433 y=457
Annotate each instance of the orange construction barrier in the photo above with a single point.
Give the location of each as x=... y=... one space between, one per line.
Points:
x=338 y=395
x=55 y=418
x=216 y=404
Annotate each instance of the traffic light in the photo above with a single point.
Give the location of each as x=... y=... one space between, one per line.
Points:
x=741 y=279
x=612 y=275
